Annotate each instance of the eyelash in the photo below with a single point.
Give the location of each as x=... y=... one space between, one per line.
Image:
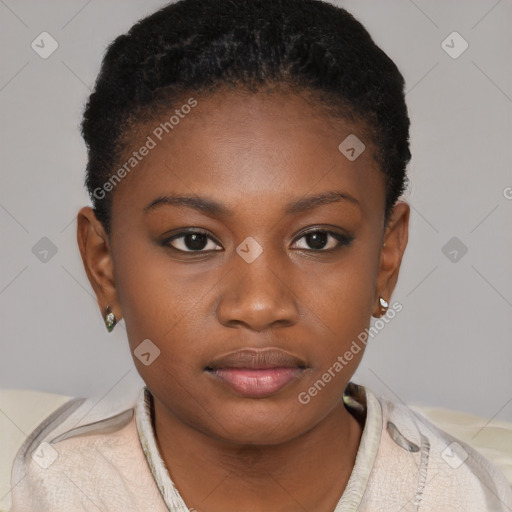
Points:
x=343 y=240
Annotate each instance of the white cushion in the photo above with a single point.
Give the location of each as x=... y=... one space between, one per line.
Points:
x=21 y=411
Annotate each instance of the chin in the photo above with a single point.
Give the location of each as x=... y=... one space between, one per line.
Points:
x=258 y=425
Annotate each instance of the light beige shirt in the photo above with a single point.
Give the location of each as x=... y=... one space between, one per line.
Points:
x=404 y=463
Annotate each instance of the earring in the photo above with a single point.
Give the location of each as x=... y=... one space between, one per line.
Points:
x=110 y=319
x=384 y=305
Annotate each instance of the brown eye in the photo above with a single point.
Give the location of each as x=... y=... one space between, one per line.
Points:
x=323 y=240
x=192 y=241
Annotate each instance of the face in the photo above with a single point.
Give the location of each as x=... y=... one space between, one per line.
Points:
x=248 y=249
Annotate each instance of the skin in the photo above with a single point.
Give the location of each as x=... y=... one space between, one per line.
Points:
x=254 y=154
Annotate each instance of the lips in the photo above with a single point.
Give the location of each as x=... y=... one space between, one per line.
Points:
x=256 y=373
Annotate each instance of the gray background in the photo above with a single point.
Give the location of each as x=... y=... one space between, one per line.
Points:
x=450 y=345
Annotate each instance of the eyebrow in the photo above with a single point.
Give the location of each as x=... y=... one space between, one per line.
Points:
x=209 y=206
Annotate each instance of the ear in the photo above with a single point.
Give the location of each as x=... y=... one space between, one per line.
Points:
x=94 y=248
x=394 y=244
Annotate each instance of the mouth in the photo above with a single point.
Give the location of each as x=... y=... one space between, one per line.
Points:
x=257 y=373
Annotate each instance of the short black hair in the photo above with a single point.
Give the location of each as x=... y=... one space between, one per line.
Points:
x=199 y=46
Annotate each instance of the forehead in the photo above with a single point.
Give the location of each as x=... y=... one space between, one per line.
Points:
x=252 y=146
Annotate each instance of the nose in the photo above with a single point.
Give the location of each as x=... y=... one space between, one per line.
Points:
x=258 y=296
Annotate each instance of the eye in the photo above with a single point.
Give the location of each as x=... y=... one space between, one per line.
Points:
x=324 y=240
x=192 y=241
x=315 y=240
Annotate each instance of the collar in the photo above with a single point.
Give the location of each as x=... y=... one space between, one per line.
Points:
x=361 y=402
x=143 y=419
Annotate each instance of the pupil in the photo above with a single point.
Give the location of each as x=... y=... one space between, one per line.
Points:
x=317 y=240
x=195 y=241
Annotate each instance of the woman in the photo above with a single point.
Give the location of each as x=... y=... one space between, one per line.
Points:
x=246 y=160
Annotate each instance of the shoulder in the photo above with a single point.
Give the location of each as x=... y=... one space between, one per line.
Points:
x=75 y=418
x=82 y=454
x=438 y=471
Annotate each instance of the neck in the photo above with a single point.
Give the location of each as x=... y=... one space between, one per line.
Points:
x=309 y=472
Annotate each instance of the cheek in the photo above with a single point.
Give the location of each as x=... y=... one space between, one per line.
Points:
x=342 y=298
x=155 y=295
x=152 y=289
x=342 y=295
